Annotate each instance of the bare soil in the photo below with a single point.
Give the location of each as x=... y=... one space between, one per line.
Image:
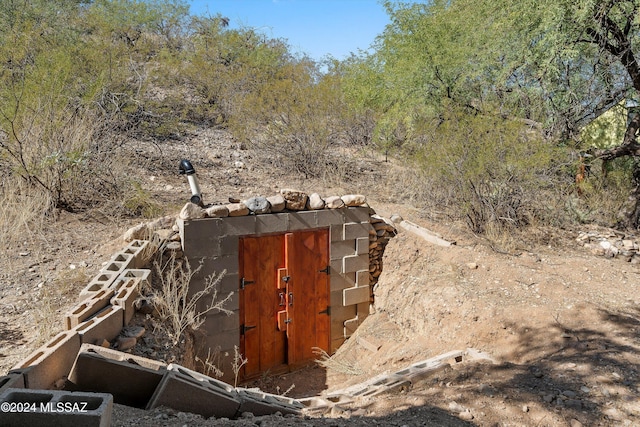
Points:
x=562 y=324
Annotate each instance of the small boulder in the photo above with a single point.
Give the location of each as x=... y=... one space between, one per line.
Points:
x=238 y=209
x=191 y=211
x=334 y=202
x=138 y=232
x=217 y=211
x=295 y=200
x=354 y=200
x=258 y=205
x=315 y=202
x=277 y=202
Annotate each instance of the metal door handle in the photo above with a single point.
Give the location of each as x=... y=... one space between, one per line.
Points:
x=290 y=298
x=281 y=295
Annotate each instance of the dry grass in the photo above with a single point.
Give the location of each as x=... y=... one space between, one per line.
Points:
x=22 y=212
x=177 y=308
x=52 y=296
x=238 y=362
x=334 y=363
x=211 y=365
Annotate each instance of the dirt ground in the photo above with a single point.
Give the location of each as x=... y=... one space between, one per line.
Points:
x=562 y=324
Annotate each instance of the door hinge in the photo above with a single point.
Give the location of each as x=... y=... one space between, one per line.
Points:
x=325 y=270
x=327 y=311
x=244 y=329
x=244 y=283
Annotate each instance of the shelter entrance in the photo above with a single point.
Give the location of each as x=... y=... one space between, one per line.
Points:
x=284 y=299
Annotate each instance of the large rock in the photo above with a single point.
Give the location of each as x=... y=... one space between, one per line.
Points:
x=217 y=211
x=238 y=209
x=192 y=211
x=295 y=200
x=137 y=232
x=354 y=199
x=315 y=202
x=334 y=202
x=277 y=202
x=258 y=205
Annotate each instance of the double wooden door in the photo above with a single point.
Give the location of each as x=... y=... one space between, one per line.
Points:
x=284 y=299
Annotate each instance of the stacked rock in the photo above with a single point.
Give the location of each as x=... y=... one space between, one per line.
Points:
x=379 y=236
x=611 y=244
x=287 y=200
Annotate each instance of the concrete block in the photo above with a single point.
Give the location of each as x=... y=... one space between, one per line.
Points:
x=362 y=245
x=105 y=325
x=57 y=408
x=339 y=282
x=356 y=214
x=260 y=403
x=199 y=235
x=343 y=248
x=273 y=223
x=115 y=266
x=352 y=296
x=187 y=391
x=131 y=380
x=201 y=377
x=123 y=257
x=337 y=330
x=355 y=263
x=301 y=221
x=337 y=232
x=221 y=322
x=101 y=281
x=230 y=282
x=239 y=226
x=124 y=296
x=328 y=217
x=336 y=266
x=227 y=245
x=362 y=278
x=11 y=380
x=350 y=326
x=356 y=230
x=88 y=308
x=225 y=341
x=363 y=310
x=143 y=274
x=336 y=343
x=50 y=362
x=340 y=314
x=141 y=251
x=336 y=298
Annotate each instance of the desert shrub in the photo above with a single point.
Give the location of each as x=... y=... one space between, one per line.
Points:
x=486 y=170
x=603 y=197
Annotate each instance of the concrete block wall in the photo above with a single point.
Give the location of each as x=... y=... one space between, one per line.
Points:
x=213 y=243
x=56 y=408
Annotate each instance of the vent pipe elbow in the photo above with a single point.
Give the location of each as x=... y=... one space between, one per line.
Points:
x=186 y=168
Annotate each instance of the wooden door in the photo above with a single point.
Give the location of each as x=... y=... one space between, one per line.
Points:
x=284 y=299
x=308 y=326
x=261 y=343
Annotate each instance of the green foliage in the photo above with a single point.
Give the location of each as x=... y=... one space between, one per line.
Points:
x=138 y=202
x=487 y=170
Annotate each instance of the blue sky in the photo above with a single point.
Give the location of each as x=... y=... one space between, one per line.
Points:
x=315 y=27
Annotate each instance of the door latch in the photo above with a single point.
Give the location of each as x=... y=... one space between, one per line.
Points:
x=244 y=329
x=244 y=282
